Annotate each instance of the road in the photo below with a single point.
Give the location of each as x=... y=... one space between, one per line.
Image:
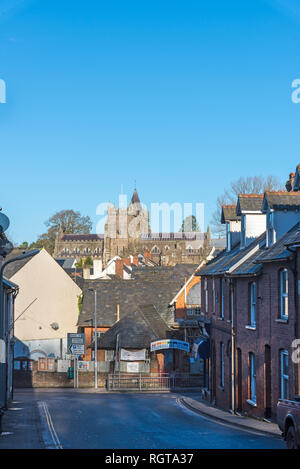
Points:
x=85 y=420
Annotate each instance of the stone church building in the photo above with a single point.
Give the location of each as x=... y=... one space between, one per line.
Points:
x=127 y=232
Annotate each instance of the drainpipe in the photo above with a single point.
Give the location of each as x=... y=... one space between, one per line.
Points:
x=232 y=350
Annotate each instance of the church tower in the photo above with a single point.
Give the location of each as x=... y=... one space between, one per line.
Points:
x=124 y=227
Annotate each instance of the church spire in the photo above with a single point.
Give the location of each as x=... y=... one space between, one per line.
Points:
x=135 y=198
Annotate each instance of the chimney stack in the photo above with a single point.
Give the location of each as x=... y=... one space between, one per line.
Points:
x=290 y=183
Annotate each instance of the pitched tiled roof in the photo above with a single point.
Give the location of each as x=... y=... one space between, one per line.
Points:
x=250 y=265
x=279 y=250
x=229 y=213
x=11 y=269
x=136 y=329
x=135 y=198
x=249 y=203
x=294 y=239
x=81 y=237
x=151 y=285
x=282 y=200
x=227 y=259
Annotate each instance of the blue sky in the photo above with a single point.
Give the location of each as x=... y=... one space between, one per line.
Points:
x=182 y=97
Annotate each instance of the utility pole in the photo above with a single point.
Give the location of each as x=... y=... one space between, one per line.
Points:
x=96 y=340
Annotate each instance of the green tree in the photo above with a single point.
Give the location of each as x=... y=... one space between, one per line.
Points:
x=79 y=264
x=69 y=221
x=23 y=246
x=190 y=224
x=88 y=262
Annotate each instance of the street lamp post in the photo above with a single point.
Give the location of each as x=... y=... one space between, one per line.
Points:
x=96 y=340
x=95 y=337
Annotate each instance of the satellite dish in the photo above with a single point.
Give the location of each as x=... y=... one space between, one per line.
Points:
x=4 y=222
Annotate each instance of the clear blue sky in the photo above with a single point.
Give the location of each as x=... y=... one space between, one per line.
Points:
x=182 y=97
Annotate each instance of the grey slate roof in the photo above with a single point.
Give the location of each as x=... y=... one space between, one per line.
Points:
x=82 y=237
x=218 y=243
x=194 y=295
x=279 y=251
x=226 y=260
x=282 y=200
x=249 y=203
x=250 y=266
x=66 y=263
x=135 y=198
x=136 y=329
x=148 y=285
x=11 y=269
x=229 y=213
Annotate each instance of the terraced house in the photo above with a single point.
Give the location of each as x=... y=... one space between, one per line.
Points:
x=250 y=293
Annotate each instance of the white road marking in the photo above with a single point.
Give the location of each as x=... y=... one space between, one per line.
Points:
x=50 y=436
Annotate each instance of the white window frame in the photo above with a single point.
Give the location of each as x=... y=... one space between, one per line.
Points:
x=213 y=296
x=253 y=304
x=284 y=378
x=205 y=295
x=284 y=294
x=252 y=360
x=222 y=362
x=222 y=283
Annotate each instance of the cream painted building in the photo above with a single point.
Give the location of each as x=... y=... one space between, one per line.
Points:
x=46 y=308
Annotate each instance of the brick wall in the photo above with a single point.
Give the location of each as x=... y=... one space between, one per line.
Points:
x=45 y=379
x=181 y=300
x=270 y=336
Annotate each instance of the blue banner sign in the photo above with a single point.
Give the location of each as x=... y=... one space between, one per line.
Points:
x=170 y=344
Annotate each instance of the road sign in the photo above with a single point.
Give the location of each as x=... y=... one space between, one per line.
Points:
x=76 y=344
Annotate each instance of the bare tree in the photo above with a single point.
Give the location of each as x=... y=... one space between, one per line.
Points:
x=243 y=185
x=69 y=221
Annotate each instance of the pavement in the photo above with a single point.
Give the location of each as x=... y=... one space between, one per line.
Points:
x=197 y=404
x=21 y=426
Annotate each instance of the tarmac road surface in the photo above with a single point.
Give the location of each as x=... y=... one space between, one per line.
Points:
x=85 y=420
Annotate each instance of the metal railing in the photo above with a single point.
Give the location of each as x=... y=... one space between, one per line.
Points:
x=143 y=382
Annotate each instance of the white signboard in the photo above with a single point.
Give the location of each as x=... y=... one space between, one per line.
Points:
x=132 y=367
x=170 y=344
x=130 y=355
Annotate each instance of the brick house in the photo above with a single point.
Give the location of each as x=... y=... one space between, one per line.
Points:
x=250 y=292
